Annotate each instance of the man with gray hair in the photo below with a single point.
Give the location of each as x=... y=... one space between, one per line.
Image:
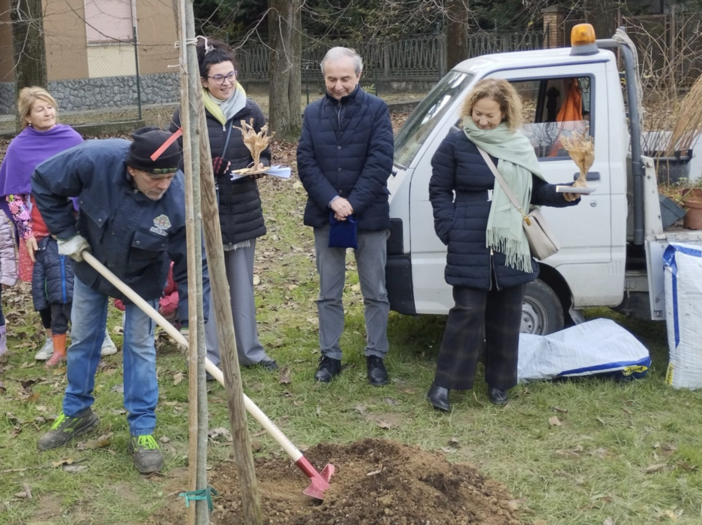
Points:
x=344 y=158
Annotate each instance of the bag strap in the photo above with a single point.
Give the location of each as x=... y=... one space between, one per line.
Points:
x=226 y=142
x=502 y=182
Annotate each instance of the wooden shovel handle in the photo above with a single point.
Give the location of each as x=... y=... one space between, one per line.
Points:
x=290 y=449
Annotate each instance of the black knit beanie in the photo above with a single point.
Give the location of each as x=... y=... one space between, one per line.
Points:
x=146 y=141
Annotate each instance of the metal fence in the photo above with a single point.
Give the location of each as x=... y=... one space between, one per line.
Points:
x=416 y=58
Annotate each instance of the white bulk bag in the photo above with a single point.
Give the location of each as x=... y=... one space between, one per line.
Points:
x=683 y=313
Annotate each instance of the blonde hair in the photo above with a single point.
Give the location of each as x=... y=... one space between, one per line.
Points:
x=27 y=97
x=501 y=92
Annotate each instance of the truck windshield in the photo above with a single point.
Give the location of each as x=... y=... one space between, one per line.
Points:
x=422 y=121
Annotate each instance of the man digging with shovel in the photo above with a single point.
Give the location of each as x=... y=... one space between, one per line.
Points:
x=132 y=219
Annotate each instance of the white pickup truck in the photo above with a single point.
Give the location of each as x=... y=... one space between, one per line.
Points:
x=611 y=244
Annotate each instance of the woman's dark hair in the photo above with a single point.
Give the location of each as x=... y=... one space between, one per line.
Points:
x=210 y=52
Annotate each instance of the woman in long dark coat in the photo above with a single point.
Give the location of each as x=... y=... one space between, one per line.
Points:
x=488 y=261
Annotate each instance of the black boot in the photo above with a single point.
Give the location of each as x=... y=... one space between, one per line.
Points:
x=439 y=397
x=497 y=396
x=328 y=368
x=377 y=375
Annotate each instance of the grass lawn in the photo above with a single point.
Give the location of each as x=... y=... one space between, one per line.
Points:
x=624 y=453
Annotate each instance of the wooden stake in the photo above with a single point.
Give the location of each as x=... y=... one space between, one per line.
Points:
x=198 y=514
x=221 y=306
x=225 y=332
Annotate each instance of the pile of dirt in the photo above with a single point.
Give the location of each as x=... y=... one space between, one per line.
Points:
x=376 y=482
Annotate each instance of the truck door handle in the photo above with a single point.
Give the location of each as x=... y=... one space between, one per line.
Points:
x=591 y=175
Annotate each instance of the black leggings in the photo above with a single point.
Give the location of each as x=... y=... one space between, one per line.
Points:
x=45 y=315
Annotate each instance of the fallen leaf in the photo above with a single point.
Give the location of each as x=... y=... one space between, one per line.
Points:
x=554 y=421
x=683 y=465
x=33 y=397
x=601 y=421
x=103 y=441
x=220 y=432
x=164 y=440
x=319 y=411
x=297 y=185
x=118 y=330
x=599 y=453
x=177 y=378
x=28 y=364
x=453 y=442
x=654 y=468
x=15 y=432
x=256 y=280
x=41 y=408
x=361 y=409
x=68 y=461
x=608 y=521
x=355 y=287
x=118 y=388
x=12 y=418
x=40 y=420
x=390 y=401
x=120 y=411
x=385 y=425
x=561 y=410
x=74 y=468
x=374 y=472
x=284 y=378
x=573 y=452
x=515 y=503
x=26 y=384
x=448 y=450
x=27 y=490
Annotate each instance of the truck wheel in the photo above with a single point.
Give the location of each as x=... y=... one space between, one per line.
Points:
x=542 y=312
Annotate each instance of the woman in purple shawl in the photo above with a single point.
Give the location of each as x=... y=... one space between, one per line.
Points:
x=41 y=138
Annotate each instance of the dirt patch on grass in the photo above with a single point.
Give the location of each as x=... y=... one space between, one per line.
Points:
x=376 y=483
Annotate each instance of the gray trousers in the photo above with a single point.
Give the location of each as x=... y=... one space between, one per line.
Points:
x=239 y=265
x=371 y=256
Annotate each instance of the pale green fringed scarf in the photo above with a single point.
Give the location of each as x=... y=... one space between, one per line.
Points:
x=516 y=163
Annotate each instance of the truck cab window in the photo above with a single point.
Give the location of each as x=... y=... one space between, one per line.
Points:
x=429 y=112
x=555 y=108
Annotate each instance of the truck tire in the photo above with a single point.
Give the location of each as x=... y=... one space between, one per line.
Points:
x=542 y=312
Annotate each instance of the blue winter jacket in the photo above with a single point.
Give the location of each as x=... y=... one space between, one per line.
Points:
x=52 y=276
x=346 y=150
x=133 y=236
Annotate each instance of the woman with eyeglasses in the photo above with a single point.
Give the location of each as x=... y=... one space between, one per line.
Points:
x=240 y=211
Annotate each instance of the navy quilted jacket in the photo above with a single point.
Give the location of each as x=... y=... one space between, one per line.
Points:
x=346 y=149
x=52 y=276
x=461 y=223
x=240 y=210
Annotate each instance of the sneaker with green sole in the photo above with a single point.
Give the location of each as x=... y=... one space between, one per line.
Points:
x=66 y=428
x=146 y=454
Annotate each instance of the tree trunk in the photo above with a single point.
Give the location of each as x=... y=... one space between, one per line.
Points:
x=28 y=43
x=456 y=32
x=284 y=75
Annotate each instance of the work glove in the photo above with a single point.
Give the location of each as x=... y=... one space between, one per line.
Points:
x=73 y=247
x=220 y=166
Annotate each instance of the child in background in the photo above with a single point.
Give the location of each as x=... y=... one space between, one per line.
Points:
x=52 y=288
x=8 y=267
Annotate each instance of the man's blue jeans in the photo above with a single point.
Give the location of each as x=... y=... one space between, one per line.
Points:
x=89 y=316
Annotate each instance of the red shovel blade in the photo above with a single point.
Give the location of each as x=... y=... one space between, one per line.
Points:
x=319 y=481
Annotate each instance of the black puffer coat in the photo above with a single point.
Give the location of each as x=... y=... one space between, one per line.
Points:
x=52 y=276
x=462 y=224
x=240 y=211
x=346 y=149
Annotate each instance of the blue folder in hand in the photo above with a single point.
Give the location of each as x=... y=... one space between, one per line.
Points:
x=343 y=234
